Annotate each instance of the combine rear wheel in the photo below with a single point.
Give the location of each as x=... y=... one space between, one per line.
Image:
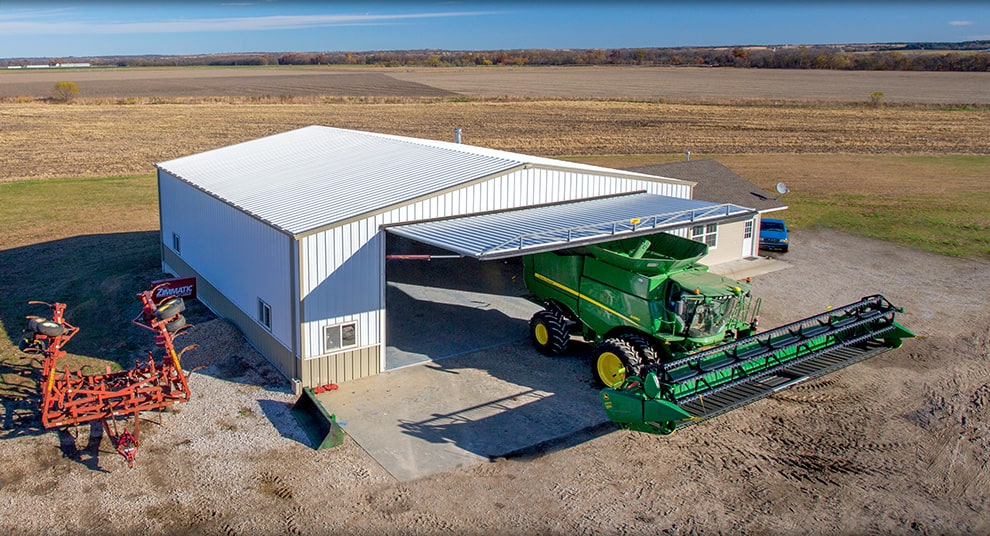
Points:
x=613 y=360
x=548 y=331
x=644 y=351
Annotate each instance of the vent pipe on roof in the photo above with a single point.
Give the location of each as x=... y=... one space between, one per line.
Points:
x=687 y=156
x=457 y=135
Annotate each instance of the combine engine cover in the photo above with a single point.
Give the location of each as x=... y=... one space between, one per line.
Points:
x=710 y=382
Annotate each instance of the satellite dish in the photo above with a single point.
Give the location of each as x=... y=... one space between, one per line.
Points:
x=782 y=188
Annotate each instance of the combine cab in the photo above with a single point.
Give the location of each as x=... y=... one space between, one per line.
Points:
x=676 y=343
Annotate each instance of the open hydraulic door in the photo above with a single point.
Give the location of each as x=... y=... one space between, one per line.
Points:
x=523 y=231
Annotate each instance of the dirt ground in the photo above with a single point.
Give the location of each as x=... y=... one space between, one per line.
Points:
x=897 y=444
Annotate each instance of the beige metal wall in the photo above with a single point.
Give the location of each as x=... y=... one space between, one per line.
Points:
x=342 y=367
x=728 y=246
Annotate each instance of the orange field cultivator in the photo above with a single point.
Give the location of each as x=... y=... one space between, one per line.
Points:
x=70 y=398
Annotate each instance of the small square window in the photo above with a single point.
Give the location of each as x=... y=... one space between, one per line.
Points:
x=265 y=314
x=176 y=244
x=748 y=229
x=339 y=337
x=706 y=233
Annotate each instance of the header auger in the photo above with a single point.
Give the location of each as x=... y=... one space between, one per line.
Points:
x=70 y=398
x=678 y=344
x=710 y=382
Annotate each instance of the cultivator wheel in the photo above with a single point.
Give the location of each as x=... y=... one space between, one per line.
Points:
x=45 y=326
x=32 y=346
x=170 y=309
x=175 y=324
x=548 y=331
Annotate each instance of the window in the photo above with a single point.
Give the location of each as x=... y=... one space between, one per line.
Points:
x=748 y=230
x=339 y=336
x=265 y=314
x=707 y=234
x=176 y=244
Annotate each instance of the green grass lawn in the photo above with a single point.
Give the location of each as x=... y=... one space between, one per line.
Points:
x=89 y=243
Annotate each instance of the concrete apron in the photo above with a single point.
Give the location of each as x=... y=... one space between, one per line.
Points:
x=748 y=267
x=435 y=417
x=466 y=386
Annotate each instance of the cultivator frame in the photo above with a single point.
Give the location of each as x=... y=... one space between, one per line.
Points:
x=704 y=384
x=70 y=398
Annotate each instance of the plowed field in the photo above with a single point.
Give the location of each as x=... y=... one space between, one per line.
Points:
x=96 y=140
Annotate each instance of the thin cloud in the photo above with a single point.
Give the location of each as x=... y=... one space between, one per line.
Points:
x=960 y=23
x=234 y=24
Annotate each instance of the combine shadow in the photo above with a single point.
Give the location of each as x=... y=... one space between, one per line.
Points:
x=483 y=391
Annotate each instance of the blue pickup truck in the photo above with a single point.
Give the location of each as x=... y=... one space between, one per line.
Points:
x=773 y=235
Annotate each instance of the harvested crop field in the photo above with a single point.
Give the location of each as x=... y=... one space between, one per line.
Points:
x=94 y=140
x=127 y=119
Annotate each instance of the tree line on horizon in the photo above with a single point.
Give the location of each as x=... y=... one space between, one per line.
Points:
x=972 y=56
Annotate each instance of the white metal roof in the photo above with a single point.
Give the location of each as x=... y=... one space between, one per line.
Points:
x=530 y=230
x=317 y=176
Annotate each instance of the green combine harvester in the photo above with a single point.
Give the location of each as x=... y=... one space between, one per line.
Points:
x=677 y=344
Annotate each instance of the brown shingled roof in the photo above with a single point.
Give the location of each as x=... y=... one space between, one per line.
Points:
x=716 y=183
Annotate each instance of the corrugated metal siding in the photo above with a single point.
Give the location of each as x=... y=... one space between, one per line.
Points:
x=241 y=257
x=315 y=176
x=277 y=354
x=341 y=277
x=343 y=271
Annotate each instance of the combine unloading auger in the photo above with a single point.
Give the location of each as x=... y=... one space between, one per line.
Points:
x=710 y=382
x=70 y=398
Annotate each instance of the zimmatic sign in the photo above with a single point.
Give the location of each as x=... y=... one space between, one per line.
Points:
x=184 y=288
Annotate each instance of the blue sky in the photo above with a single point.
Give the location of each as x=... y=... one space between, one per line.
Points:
x=65 y=29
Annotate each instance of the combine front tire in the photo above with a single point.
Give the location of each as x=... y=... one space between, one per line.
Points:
x=613 y=360
x=548 y=331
